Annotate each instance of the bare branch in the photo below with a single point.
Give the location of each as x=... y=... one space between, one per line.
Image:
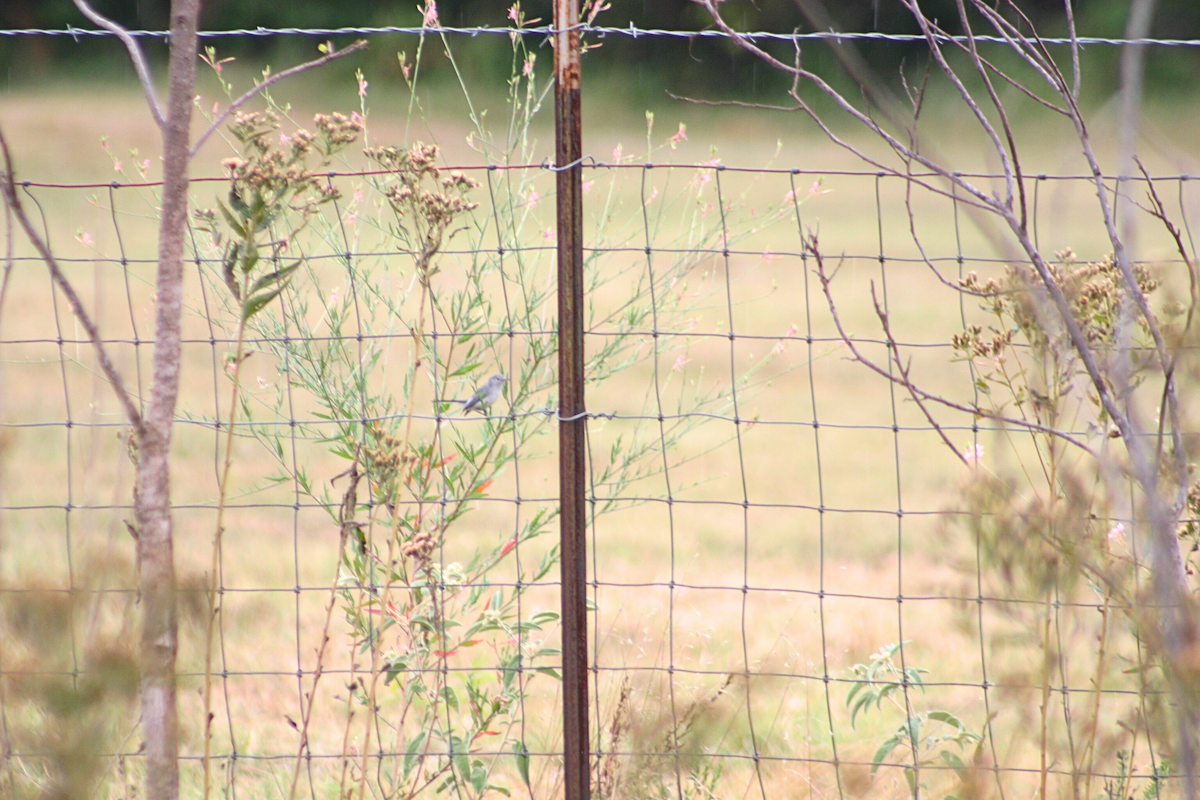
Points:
x=1159 y=212
x=982 y=71
x=1068 y=5
x=135 y=55
x=361 y=44
x=906 y=381
x=825 y=280
x=8 y=255
x=13 y=201
x=931 y=38
x=983 y=198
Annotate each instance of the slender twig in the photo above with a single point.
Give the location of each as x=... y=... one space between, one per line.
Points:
x=982 y=71
x=980 y=196
x=904 y=369
x=135 y=55
x=347 y=528
x=8 y=255
x=258 y=87
x=1159 y=212
x=935 y=50
x=733 y=103
x=13 y=201
x=1069 y=7
x=826 y=279
x=215 y=606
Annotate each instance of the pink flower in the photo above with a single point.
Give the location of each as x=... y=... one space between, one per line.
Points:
x=85 y=239
x=680 y=136
x=617 y=154
x=781 y=345
x=362 y=87
x=429 y=14
x=679 y=362
x=531 y=200
x=587 y=186
x=691 y=324
x=356 y=117
x=514 y=13
x=653 y=192
x=768 y=256
x=527 y=68
x=117 y=166
x=973 y=454
x=596 y=6
x=549 y=235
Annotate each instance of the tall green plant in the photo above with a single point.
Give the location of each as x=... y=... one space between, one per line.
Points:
x=441 y=278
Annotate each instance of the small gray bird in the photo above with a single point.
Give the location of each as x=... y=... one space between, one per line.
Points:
x=488 y=393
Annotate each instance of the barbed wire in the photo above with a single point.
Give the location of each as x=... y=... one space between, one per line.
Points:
x=600 y=31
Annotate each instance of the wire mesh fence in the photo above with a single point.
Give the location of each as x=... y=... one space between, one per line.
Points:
x=800 y=580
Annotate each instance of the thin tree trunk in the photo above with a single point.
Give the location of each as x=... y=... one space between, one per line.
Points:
x=152 y=502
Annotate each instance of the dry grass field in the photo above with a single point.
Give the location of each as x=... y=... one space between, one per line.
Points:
x=780 y=558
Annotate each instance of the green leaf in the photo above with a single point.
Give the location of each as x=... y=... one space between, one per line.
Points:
x=414 y=752
x=479 y=776
x=255 y=302
x=521 y=755
x=249 y=257
x=955 y=763
x=461 y=765
x=948 y=718
x=238 y=204
x=882 y=753
x=232 y=221
x=551 y=671
x=227 y=273
x=278 y=276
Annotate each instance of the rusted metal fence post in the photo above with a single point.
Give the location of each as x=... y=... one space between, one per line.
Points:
x=568 y=148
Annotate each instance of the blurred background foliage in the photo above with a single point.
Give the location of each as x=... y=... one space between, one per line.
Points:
x=644 y=68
